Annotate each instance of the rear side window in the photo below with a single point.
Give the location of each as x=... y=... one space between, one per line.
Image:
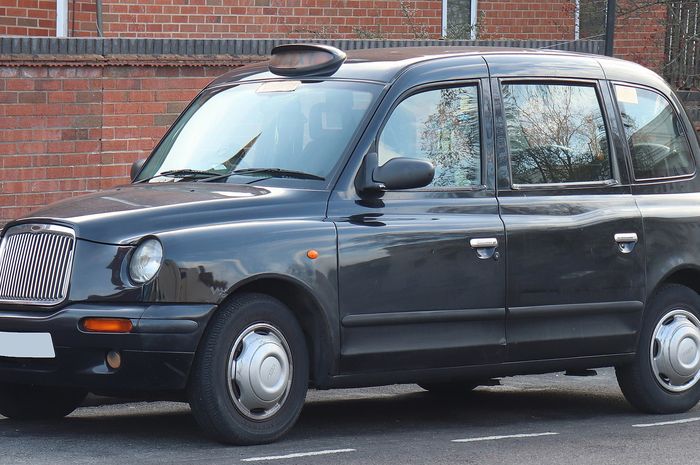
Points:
x=556 y=133
x=653 y=130
x=442 y=127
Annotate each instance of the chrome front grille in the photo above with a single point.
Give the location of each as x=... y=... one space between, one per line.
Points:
x=35 y=264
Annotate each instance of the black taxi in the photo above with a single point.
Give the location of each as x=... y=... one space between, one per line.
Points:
x=439 y=216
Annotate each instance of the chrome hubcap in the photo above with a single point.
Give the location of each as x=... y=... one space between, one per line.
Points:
x=675 y=351
x=259 y=371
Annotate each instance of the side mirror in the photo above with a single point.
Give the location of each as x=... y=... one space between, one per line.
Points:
x=404 y=173
x=136 y=168
x=397 y=173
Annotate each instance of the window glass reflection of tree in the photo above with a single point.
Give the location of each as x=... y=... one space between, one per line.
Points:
x=556 y=134
x=441 y=126
x=658 y=147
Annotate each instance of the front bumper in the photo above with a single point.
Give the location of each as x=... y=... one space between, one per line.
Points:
x=156 y=355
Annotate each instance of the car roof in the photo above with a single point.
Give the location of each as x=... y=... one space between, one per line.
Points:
x=384 y=64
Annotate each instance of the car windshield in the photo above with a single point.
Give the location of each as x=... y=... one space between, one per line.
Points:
x=281 y=129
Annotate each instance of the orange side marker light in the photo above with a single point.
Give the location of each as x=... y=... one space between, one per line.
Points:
x=312 y=254
x=107 y=325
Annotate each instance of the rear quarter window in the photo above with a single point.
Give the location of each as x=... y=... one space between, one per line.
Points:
x=658 y=144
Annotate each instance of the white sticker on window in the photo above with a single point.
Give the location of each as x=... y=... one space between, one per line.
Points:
x=278 y=86
x=626 y=95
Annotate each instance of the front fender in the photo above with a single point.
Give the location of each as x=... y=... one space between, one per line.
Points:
x=203 y=265
x=206 y=265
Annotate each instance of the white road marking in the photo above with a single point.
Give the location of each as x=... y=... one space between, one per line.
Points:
x=508 y=436
x=298 y=454
x=664 y=423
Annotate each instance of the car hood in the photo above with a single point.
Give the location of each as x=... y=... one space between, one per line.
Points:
x=125 y=214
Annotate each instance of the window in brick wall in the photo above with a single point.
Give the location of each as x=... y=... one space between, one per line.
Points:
x=591 y=19
x=458 y=19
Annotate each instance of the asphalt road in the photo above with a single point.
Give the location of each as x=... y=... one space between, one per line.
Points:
x=561 y=420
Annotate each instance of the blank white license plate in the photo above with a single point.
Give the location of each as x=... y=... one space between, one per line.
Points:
x=26 y=345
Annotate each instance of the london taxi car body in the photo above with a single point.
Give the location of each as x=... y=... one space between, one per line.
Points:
x=435 y=215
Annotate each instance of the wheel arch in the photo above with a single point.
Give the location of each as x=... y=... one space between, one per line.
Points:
x=684 y=274
x=687 y=275
x=309 y=312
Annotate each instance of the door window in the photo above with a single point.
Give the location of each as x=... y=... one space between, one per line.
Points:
x=556 y=133
x=442 y=127
x=657 y=143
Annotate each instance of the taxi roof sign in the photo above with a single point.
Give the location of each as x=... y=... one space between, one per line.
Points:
x=306 y=60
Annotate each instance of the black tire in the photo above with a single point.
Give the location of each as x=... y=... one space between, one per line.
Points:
x=28 y=402
x=212 y=405
x=637 y=379
x=450 y=388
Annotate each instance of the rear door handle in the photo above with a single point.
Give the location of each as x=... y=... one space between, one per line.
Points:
x=626 y=241
x=485 y=247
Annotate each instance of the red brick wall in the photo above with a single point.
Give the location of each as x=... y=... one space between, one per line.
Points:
x=82 y=18
x=68 y=130
x=523 y=19
x=640 y=32
x=28 y=17
x=340 y=19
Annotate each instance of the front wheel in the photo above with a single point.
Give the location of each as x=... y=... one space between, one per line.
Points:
x=29 y=402
x=251 y=372
x=663 y=378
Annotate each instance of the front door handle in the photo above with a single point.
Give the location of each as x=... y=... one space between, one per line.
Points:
x=626 y=241
x=485 y=247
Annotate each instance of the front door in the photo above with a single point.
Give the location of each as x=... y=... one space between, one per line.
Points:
x=575 y=238
x=422 y=271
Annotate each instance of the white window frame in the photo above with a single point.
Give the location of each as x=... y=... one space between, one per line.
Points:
x=61 y=18
x=473 y=18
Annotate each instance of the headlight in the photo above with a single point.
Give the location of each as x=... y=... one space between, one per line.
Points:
x=145 y=261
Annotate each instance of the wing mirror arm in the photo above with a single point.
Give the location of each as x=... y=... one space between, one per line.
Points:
x=365 y=182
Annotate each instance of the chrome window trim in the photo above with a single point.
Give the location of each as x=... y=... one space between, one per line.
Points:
x=567 y=185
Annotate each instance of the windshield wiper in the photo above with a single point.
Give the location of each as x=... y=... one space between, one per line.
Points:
x=183 y=173
x=271 y=172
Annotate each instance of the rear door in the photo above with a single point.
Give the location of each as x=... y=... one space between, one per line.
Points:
x=575 y=268
x=660 y=144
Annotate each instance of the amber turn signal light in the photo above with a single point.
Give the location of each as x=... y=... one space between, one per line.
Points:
x=107 y=325
x=312 y=254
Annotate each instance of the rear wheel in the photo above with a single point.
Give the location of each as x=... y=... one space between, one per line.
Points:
x=251 y=372
x=665 y=375
x=28 y=402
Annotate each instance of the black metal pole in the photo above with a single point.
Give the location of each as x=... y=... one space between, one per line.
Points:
x=610 y=27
